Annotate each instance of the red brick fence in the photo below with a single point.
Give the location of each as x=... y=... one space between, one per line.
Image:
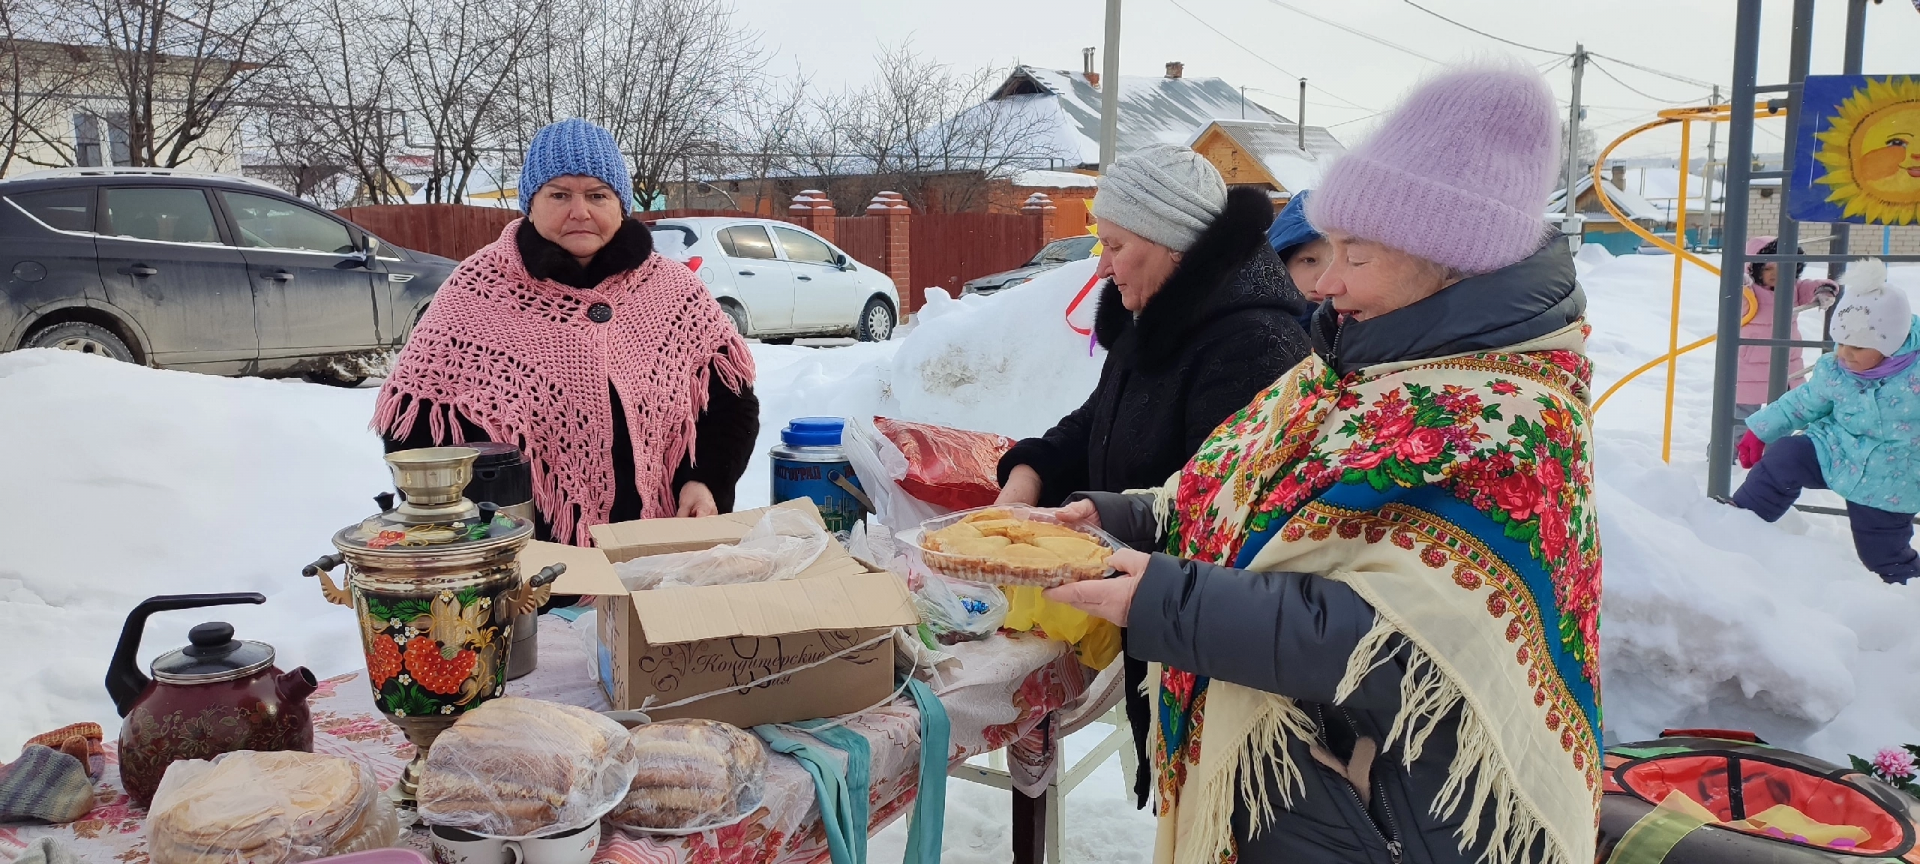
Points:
x=917 y=250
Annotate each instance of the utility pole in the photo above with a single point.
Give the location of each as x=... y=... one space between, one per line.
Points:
x=1300 y=122
x=1706 y=192
x=1570 y=223
x=1110 y=88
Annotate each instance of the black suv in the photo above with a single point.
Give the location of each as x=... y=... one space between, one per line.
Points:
x=215 y=274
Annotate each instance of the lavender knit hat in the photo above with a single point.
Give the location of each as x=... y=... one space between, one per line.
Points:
x=1458 y=174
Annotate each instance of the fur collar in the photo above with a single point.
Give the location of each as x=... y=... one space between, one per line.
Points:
x=544 y=259
x=1201 y=286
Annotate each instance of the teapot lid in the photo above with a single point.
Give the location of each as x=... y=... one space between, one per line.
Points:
x=214 y=656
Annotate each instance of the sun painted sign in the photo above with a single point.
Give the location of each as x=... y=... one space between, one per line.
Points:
x=1857 y=152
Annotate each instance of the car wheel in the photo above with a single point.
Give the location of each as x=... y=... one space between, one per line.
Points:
x=82 y=337
x=783 y=340
x=876 y=321
x=739 y=317
x=335 y=379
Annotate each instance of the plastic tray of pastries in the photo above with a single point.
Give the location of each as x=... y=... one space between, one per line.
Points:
x=1013 y=545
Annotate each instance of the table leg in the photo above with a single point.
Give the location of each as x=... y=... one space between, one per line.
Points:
x=1030 y=828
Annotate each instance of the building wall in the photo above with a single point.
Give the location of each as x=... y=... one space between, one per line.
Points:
x=1763 y=218
x=1235 y=165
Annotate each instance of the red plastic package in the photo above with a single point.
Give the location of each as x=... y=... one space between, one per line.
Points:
x=947 y=467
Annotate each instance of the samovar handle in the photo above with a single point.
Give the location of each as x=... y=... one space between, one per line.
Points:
x=323 y=566
x=537 y=589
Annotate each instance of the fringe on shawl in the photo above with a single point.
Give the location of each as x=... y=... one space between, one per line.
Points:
x=1279 y=721
x=1479 y=774
x=735 y=367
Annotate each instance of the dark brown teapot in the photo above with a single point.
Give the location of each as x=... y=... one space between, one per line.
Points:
x=217 y=695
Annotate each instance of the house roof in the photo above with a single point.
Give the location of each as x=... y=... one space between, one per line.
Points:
x=1153 y=110
x=1275 y=144
x=1636 y=207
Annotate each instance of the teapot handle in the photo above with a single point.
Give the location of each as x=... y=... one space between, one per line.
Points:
x=321 y=567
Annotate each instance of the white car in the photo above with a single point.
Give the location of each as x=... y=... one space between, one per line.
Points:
x=779 y=281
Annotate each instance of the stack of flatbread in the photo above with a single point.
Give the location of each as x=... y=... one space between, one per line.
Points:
x=998 y=546
x=693 y=774
x=267 y=808
x=522 y=767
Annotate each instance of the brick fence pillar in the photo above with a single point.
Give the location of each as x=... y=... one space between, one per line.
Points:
x=812 y=210
x=893 y=208
x=1039 y=205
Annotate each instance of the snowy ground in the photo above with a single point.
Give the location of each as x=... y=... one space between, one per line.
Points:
x=126 y=482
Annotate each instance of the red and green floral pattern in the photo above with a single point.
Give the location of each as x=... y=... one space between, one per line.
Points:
x=1506 y=433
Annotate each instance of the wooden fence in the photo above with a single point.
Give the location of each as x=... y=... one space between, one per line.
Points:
x=451 y=230
x=951 y=248
x=944 y=250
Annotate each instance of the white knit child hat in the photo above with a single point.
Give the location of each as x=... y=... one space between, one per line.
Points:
x=1872 y=314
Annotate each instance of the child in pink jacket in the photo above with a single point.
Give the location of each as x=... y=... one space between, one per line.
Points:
x=1754 y=359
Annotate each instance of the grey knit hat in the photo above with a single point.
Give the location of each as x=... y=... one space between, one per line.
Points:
x=1165 y=193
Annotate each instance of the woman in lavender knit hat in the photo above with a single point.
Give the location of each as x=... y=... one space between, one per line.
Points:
x=1378 y=597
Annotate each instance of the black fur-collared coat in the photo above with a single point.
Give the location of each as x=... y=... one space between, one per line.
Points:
x=1223 y=327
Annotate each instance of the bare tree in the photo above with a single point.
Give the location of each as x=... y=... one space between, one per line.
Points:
x=664 y=76
x=36 y=80
x=333 y=111
x=926 y=130
x=178 y=71
x=461 y=59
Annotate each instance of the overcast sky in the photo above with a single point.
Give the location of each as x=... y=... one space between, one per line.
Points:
x=833 y=41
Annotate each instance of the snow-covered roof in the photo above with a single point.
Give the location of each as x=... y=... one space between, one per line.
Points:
x=1636 y=207
x=1662 y=187
x=1055 y=179
x=1276 y=144
x=1153 y=110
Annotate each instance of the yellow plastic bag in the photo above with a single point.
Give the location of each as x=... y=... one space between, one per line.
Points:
x=1096 y=639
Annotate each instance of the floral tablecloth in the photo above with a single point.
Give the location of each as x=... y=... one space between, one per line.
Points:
x=1001 y=693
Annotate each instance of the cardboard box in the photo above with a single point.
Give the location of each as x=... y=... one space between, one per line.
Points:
x=673 y=643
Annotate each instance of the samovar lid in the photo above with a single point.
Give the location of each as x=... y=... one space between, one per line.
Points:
x=392 y=532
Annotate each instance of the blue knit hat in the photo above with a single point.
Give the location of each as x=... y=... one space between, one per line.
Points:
x=574 y=147
x=1291 y=228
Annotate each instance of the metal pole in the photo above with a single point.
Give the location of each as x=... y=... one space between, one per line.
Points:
x=1785 y=277
x=1243 y=103
x=1570 y=223
x=1855 y=56
x=1733 y=239
x=1300 y=122
x=1110 y=87
x=1706 y=192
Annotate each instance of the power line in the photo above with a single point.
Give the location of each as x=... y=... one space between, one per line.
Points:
x=1262 y=57
x=1480 y=31
x=1355 y=120
x=1357 y=32
x=1615 y=79
x=1649 y=69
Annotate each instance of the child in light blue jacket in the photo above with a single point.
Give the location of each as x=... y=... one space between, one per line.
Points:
x=1861 y=415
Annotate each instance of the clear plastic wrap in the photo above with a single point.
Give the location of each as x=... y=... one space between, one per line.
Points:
x=693 y=775
x=1017 y=527
x=520 y=768
x=781 y=545
x=250 y=807
x=959 y=611
x=953 y=468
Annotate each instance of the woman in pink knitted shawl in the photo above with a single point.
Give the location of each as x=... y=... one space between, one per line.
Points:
x=611 y=367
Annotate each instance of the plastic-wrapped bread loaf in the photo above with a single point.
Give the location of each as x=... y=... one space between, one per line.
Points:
x=522 y=767
x=692 y=774
x=267 y=808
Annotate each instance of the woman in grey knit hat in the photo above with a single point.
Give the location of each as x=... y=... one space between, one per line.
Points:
x=1197 y=315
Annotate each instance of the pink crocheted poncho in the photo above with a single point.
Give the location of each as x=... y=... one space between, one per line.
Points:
x=519 y=358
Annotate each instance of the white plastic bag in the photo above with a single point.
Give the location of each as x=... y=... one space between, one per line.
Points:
x=959 y=611
x=873 y=456
x=783 y=543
